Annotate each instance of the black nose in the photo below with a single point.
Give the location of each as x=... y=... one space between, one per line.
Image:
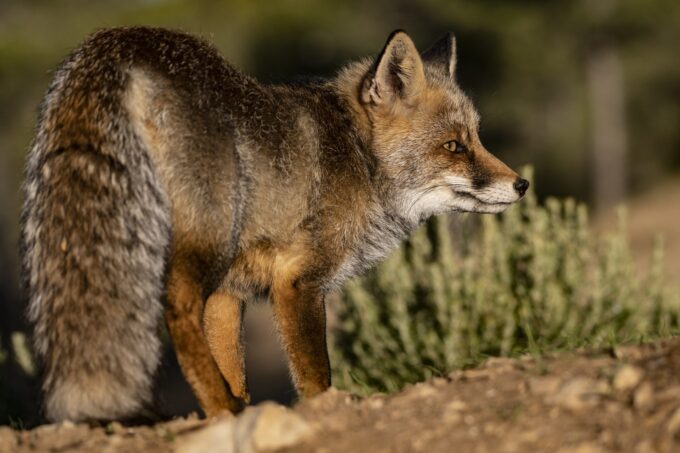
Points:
x=521 y=186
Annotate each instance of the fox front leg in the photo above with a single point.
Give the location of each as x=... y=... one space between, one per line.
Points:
x=301 y=318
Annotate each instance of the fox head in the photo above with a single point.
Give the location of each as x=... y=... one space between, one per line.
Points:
x=424 y=133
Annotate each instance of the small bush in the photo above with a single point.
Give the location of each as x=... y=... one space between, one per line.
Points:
x=534 y=278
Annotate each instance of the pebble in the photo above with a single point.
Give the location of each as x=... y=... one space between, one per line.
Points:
x=544 y=385
x=376 y=403
x=644 y=396
x=261 y=428
x=278 y=427
x=673 y=425
x=627 y=378
x=114 y=428
x=579 y=393
x=8 y=439
x=423 y=391
x=453 y=411
x=585 y=447
x=439 y=382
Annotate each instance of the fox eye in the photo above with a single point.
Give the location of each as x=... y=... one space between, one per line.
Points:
x=455 y=147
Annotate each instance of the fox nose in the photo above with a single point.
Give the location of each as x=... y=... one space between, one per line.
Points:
x=521 y=186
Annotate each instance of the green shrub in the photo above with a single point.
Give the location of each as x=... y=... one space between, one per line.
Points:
x=534 y=278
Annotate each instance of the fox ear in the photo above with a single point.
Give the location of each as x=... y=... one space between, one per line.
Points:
x=443 y=54
x=397 y=73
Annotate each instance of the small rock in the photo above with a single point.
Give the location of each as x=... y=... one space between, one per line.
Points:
x=452 y=418
x=579 y=393
x=330 y=400
x=530 y=436
x=669 y=394
x=217 y=437
x=674 y=422
x=644 y=396
x=268 y=426
x=503 y=365
x=456 y=375
x=607 y=437
x=628 y=352
x=113 y=443
x=182 y=425
x=60 y=436
x=422 y=390
x=457 y=405
x=627 y=378
x=114 y=428
x=453 y=412
x=527 y=358
x=612 y=407
x=544 y=386
x=278 y=427
x=8 y=439
x=67 y=424
x=439 y=382
x=586 y=447
x=500 y=362
x=376 y=403
x=44 y=430
x=645 y=446
x=477 y=374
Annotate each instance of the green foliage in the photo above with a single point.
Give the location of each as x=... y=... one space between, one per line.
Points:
x=23 y=354
x=534 y=278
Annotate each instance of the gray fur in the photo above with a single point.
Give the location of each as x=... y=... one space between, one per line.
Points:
x=151 y=151
x=95 y=234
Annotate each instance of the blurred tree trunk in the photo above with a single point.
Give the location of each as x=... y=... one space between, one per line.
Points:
x=607 y=99
x=608 y=126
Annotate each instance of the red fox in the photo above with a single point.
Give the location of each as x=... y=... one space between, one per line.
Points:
x=163 y=180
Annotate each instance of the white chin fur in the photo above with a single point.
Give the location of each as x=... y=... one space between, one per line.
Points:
x=468 y=203
x=419 y=205
x=491 y=208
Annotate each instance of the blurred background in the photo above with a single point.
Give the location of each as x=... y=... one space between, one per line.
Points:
x=588 y=92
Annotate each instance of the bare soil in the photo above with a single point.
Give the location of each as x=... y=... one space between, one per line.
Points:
x=622 y=399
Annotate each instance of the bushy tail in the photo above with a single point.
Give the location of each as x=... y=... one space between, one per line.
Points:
x=94 y=236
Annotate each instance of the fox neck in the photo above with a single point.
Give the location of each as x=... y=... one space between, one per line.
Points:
x=408 y=207
x=389 y=211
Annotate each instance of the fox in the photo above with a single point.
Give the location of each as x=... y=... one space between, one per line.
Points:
x=163 y=183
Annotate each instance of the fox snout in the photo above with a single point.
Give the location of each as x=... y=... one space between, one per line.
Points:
x=493 y=184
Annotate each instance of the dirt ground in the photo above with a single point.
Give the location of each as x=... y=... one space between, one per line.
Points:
x=623 y=399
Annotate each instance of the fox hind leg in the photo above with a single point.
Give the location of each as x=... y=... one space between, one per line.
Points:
x=183 y=318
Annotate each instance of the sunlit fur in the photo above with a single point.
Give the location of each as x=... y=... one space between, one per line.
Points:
x=159 y=171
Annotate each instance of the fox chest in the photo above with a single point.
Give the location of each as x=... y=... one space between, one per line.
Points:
x=381 y=238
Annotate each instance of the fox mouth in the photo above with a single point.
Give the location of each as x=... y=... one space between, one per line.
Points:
x=439 y=198
x=468 y=202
